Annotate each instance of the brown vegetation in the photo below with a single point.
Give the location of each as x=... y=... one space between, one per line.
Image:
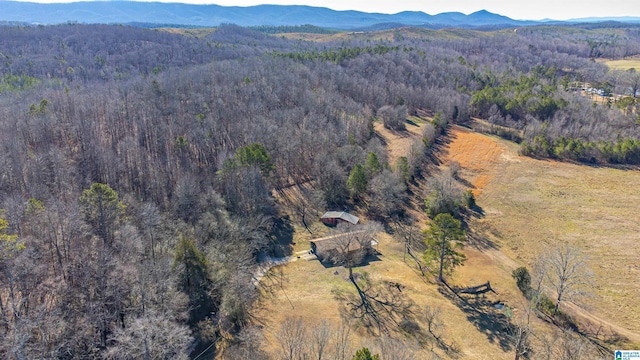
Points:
x=531 y=204
x=477 y=154
x=310 y=287
x=308 y=290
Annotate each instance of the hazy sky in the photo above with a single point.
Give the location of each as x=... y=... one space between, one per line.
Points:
x=516 y=9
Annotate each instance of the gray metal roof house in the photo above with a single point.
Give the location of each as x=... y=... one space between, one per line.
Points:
x=333 y=217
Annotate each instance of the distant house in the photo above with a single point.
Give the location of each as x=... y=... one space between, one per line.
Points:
x=332 y=218
x=341 y=247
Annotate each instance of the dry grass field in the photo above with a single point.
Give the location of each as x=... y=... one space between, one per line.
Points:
x=195 y=32
x=478 y=156
x=306 y=289
x=528 y=204
x=313 y=37
x=389 y=35
x=531 y=204
x=622 y=64
x=398 y=143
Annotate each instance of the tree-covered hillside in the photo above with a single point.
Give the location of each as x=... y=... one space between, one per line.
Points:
x=138 y=167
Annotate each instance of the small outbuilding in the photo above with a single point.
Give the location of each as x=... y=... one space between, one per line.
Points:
x=332 y=218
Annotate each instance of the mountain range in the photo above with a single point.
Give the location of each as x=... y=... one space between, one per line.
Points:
x=123 y=12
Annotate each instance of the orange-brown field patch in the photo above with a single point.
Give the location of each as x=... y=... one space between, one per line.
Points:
x=477 y=154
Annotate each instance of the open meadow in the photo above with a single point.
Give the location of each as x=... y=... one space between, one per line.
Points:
x=622 y=64
x=307 y=289
x=531 y=204
x=527 y=205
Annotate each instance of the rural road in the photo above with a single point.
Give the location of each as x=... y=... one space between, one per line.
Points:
x=266 y=263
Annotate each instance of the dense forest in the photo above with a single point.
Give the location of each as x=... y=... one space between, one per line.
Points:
x=138 y=167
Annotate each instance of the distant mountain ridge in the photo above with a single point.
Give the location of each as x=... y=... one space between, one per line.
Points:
x=213 y=15
x=123 y=12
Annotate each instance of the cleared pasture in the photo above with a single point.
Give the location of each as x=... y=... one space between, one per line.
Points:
x=307 y=289
x=527 y=205
x=622 y=64
x=531 y=204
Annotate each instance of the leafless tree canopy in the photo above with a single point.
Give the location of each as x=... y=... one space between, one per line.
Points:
x=189 y=137
x=323 y=340
x=444 y=195
x=565 y=345
x=568 y=273
x=151 y=337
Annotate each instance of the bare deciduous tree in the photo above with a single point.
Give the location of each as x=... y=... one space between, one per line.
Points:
x=342 y=340
x=248 y=346
x=352 y=244
x=412 y=237
x=292 y=339
x=565 y=345
x=432 y=317
x=520 y=332
x=151 y=337
x=319 y=338
x=393 y=117
x=387 y=195
x=538 y=277
x=444 y=196
x=308 y=203
x=454 y=169
x=150 y=219
x=569 y=273
x=633 y=80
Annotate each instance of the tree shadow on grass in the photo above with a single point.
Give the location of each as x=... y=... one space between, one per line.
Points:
x=383 y=308
x=380 y=307
x=479 y=240
x=281 y=238
x=466 y=183
x=410 y=122
x=484 y=316
x=438 y=151
x=367 y=260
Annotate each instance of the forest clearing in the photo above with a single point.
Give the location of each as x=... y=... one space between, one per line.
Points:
x=307 y=289
x=555 y=201
x=589 y=207
x=622 y=64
